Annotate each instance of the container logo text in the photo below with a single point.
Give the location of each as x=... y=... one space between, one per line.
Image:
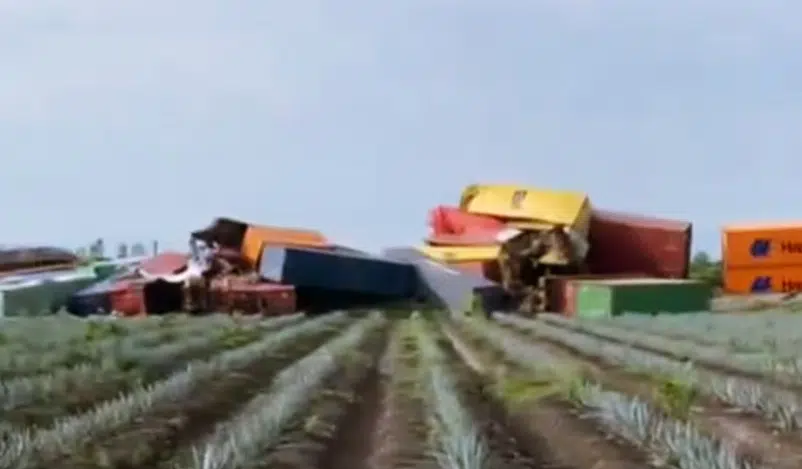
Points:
x=763 y=284
x=762 y=248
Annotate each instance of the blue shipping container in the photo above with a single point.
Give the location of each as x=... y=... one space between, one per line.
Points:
x=338 y=271
x=448 y=288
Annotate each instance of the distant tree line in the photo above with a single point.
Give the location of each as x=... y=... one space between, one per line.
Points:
x=704 y=268
x=97 y=250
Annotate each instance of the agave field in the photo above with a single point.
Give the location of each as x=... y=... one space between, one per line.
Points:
x=362 y=390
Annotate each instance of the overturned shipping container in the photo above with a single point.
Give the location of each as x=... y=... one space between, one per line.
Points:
x=338 y=271
x=451 y=289
x=231 y=296
x=623 y=243
x=250 y=239
x=43 y=293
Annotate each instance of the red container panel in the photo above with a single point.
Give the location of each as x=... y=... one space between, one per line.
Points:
x=128 y=297
x=235 y=294
x=622 y=243
x=452 y=220
x=165 y=263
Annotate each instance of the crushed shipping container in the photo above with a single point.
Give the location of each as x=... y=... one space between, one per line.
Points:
x=337 y=271
x=623 y=243
x=42 y=293
x=448 y=254
x=530 y=207
x=28 y=257
x=250 y=239
x=252 y=298
x=465 y=239
x=765 y=279
x=96 y=298
x=444 y=220
x=761 y=245
x=456 y=291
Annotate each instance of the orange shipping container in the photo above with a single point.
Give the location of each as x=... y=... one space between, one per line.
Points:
x=784 y=279
x=250 y=239
x=256 y=237
x=761 y=245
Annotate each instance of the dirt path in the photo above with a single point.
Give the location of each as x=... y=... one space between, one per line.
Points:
x=553 y=434
x=331 y=433
x=751 y=435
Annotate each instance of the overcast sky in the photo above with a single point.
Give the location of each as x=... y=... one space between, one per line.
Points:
x=140 y=120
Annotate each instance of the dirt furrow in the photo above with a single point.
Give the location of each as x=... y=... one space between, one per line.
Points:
x=334 y=433
x=751 y=435
x=399 y=439
x=554 y=433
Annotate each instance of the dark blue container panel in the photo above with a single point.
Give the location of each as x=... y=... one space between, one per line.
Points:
x=94 y=299
x=338 y=271
x=449 y=288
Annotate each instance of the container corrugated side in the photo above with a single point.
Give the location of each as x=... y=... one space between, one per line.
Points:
x=561 y=290
x=526 y=203
x=592 y=301
x=257 y=237
x=338 y=272
x=450 y=289
x=448 y=254
x=768 y=279
x=761 y=245
x=651 y=295
x=623 y=243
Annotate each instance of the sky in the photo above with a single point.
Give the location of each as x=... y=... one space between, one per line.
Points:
x=145 y=120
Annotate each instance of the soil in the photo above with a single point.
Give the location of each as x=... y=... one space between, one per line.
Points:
x=543 y=433
x=400 y=435
x=328 y=435
x=154 y=438
x=751 y=435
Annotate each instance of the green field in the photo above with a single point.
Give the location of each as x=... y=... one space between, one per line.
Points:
x=365 y=391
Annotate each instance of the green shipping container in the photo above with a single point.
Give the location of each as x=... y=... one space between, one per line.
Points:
x=601 y=298
x=45 y=294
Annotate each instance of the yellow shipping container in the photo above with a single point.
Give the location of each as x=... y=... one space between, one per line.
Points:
x=753 y=280
x=530 y=207
x=451 y=254
x=761 y=245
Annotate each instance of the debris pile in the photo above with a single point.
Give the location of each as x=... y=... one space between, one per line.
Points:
x=501 y=247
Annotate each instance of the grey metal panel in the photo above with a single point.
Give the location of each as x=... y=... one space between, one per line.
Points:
x=449 y=288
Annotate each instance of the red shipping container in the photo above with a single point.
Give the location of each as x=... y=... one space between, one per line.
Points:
x=622 y=243
x=469 y=238
x=231 y=294
x=166 y=263
x=445 y=220
x=140 y=297
x=128 y=297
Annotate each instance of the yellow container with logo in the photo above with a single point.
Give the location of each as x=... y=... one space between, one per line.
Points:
x=761 y=245
x=755 y=280
x=529 y=207
x=455 y=254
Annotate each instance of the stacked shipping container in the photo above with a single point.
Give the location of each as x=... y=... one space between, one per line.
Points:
x=762 y=258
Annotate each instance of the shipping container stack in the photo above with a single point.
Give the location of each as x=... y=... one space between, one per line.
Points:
x=762 y=258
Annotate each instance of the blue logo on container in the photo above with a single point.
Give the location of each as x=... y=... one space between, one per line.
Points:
x=760 y=248
x=761 y=284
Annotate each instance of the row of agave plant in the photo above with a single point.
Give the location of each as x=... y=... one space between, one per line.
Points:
x=94 y=342
x=666 y=439
x=777 y=405
x=257 y=427
x=26 y=449
x=119 y=359
x=787 y=370
x=772 y=332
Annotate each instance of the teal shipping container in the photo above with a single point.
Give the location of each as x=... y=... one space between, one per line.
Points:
x=42 y=293
x=601 y=298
